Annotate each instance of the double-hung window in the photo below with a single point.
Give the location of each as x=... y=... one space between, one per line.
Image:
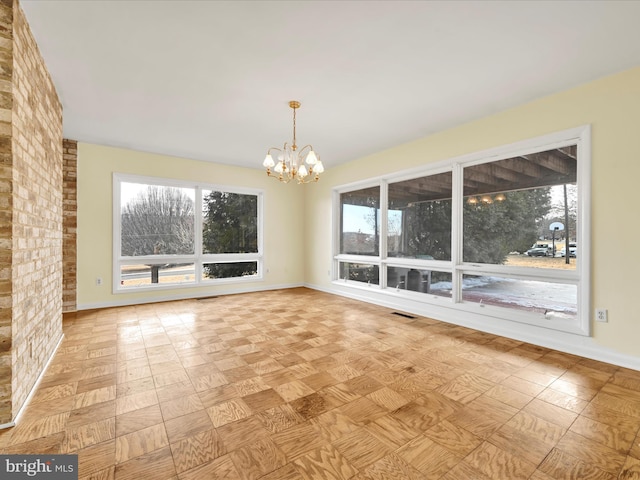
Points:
x=501 y=233
x=171 y=233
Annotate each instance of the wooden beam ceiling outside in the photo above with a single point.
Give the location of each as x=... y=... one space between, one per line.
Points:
x=541 y=169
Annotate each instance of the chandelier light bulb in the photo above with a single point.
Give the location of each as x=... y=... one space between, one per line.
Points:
x=311 y=158
x=268 y=161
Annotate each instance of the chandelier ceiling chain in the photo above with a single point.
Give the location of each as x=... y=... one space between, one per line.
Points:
x=291 y=161
x=295 y=105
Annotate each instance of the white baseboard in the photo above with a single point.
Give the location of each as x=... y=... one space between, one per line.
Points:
x=123 y=302
x=33 y=389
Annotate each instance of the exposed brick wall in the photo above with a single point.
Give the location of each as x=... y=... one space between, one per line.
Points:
x=6 y=202
x=34 y=158
x=69 y=223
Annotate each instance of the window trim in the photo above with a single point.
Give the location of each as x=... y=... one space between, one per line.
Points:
x=581 y=276
x=197 y=258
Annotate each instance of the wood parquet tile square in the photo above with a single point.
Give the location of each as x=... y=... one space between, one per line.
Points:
x=186 y=425
x=197 y=450
x=298 y=384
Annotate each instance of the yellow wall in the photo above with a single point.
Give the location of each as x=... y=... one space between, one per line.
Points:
x=612 y=106
x=96 y=165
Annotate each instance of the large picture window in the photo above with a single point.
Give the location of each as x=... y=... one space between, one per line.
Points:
x=525 y=204
x=502 y=233
x=169 y=234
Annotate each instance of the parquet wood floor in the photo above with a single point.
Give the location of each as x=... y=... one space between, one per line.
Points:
x=299 y=384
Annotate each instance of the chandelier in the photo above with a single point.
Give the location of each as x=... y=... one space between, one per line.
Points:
x=291 y=161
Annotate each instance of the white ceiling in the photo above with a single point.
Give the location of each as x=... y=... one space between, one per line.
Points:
x=211 y=80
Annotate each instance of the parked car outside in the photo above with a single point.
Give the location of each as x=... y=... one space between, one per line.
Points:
x=540 y=250
x=573 y=250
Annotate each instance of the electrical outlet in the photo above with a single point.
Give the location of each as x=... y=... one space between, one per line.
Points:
x=602 y=315
x=98 y=281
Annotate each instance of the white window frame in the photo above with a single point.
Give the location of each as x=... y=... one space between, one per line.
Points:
x=198 y=258
x=580 y=276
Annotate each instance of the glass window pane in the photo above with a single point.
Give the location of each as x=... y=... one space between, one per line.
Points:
x=230 y=222
x=360 y=272
x=419 y=218
x=229 y=270
x=524 y=205
x=156 y=220
x=158 y=274
x=360 y=218
x=424 y=281
x=553 y=300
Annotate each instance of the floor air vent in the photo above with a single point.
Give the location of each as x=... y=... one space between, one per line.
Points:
x=405 y=315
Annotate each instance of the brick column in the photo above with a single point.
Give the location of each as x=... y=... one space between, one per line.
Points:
x=69 y=223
